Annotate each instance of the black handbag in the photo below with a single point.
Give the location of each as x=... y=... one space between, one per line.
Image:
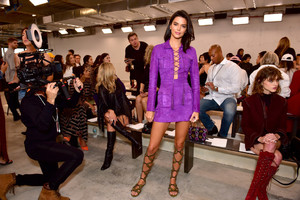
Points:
x=291 y=151
x=147 y=128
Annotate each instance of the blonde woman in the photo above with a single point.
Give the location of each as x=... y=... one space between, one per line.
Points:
x=142 y=98
x=113 y=107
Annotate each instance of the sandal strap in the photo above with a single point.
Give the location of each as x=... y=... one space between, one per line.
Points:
x=148 y=165
x=176 y=161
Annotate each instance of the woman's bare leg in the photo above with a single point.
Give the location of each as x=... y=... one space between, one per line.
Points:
x=157 y=132
x=139 y=108
x=144 y=103
x=181 y=130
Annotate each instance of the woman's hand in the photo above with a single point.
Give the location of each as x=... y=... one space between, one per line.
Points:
x=194 y=117
x=150 y=116
x=110 y=116
x=268 y=139
x=51 y=92
x=78 y=85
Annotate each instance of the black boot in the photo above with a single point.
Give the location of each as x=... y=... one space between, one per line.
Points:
x=111 y=139
x=131 y=137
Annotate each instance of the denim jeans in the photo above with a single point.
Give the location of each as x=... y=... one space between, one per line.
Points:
x=229 y=109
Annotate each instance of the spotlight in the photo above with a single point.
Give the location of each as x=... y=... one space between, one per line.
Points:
x=149 y=28
x=38 y=2
x=107 y=30
x=63 y=31
x=79 y=30
x=126 y=29
x=205 y=21
x=273 y=17
x=240 y=20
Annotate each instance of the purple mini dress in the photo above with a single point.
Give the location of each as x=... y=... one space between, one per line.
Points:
x=176 y=100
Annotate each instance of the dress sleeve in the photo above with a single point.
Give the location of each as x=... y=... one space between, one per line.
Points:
x=102 y=104
x=152 y=80
x=250 y=134
x=194 y=73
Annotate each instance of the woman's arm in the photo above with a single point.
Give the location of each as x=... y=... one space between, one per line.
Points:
x=153 y=80
x=194 y=72
x=250 y=134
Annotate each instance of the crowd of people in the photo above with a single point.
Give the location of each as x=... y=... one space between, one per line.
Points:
x=172 y=85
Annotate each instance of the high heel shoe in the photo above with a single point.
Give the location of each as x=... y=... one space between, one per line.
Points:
x=82 y=144
x=138 y=187
x=173 y=187
x=7 y=162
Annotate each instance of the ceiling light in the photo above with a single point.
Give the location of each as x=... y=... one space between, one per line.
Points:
x=33 y=15
x=106 y=30
x=38 y=2
x=273 y=17
x=126 y=29
x=205 y=21
x=240 y=20
x=149 y=28
x=45 y=30
x=63 y=31
x=79 y=30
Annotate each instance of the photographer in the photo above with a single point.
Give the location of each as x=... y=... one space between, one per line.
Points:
x=39 y=113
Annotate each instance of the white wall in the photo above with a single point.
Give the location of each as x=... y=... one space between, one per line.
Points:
x=254 y=37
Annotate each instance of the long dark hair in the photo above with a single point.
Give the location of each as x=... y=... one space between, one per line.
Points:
x=86 y=59
x=188 y=35
x=97 y=61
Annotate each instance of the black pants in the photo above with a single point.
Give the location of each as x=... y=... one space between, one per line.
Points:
x=48 y=154
x=12 y=99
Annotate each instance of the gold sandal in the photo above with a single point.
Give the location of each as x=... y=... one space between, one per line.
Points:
x=173 y=187
x=138 y=187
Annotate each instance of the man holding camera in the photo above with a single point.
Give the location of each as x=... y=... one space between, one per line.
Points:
x=39 y=109
x=11 y=95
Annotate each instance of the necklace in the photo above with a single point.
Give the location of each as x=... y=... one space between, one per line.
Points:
x=55 y=119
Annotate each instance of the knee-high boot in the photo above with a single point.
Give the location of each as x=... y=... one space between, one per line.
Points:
x=264 y=162
x=262 y=191
x=111 y=139
x=131 y=137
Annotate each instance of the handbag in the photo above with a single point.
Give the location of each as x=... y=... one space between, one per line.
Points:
x=197 y=133
x=147 y=128
x=291 y=151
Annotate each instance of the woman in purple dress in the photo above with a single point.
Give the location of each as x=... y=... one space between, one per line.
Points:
x=176 y=101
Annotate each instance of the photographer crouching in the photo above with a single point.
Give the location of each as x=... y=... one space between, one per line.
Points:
x=39 y=113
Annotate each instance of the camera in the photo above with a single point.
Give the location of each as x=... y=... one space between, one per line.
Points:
x=32 y=70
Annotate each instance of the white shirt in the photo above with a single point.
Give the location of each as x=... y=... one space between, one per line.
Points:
x=284 y=84
x=9 y=57
x=68 y=72
x=227 y=76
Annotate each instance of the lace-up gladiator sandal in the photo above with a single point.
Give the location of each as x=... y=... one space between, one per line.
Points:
x=173 y=187
x=138 y=187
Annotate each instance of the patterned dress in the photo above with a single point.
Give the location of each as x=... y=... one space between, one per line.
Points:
x=74 y=121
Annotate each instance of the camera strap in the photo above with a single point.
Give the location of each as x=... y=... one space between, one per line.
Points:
x=55 y=119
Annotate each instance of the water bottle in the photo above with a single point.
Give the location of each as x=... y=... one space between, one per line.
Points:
x=94 y=132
